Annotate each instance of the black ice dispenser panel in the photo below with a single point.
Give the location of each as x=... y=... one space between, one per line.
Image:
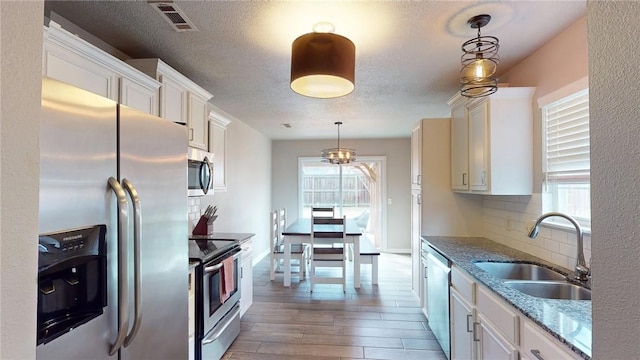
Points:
x=72 y=279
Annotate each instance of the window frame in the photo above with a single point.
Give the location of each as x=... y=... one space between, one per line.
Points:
x=572 y=177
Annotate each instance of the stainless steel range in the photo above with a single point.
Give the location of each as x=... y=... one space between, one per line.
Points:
x=217 y=311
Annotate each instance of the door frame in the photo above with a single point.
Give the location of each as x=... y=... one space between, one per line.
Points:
x=383 y=189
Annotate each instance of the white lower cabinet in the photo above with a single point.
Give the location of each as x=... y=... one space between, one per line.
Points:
x=462 y=331
x=538 y=345
x=484 y=327
x=246 y=274
x=493 y=346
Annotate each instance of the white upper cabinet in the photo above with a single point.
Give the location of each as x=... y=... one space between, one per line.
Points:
x=68 y=58
x=492 y=143
x=180 y=100
x=218 y=145
x=459 y=145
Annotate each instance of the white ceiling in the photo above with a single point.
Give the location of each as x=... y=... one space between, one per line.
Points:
x=407 y=54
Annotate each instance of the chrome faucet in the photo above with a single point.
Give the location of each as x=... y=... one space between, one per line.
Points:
x=581 y=270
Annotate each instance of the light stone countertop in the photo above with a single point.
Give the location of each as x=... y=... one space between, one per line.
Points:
x=569 y=321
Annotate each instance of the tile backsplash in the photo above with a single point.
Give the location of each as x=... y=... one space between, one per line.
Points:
x=505 y=219
x=194 y=212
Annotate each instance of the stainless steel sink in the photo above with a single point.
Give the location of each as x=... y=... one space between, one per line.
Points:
x=551 y=289
x=519 y=271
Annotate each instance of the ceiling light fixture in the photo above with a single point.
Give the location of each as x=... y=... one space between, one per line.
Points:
x=338 y=155
x=479 y=61
x=323 y=63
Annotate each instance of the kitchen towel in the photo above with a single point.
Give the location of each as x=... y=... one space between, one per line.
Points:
x=226 y=277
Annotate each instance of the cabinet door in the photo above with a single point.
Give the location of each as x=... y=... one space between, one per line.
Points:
x=479 y=147
x=246 y=285
x=425 y=286
x=197 y=122
x=462 y=318
x=416 y=241
x=218 y=145
x=459 y=148
x=416 y=152
x=138 y=97
x=492 y=345
x=65 y=65
x=173 y=100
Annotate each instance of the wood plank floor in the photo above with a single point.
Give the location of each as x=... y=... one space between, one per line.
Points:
x=375 y=322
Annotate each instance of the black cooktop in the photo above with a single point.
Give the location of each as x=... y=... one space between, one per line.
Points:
x=203 y=249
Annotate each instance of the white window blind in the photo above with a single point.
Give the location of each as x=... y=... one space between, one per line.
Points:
x=567 y=139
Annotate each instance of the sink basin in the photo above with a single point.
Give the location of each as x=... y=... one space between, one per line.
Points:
x=551 y=290
x=519 y=271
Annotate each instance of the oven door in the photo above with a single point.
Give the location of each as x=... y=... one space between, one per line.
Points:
x=213 y=309
x=199 y=173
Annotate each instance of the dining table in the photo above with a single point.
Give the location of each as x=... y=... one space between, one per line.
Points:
x=299 y=232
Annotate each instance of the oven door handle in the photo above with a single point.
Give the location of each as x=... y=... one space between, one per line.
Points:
x=210 y=269
x=137 y=235
x=216 y=334
x=123 y=237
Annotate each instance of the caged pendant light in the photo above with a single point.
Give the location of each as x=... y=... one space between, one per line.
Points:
x=323 y=63
x=338 y=155
x=479 y=61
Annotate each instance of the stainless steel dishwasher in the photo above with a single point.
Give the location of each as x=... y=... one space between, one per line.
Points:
x=438 y=273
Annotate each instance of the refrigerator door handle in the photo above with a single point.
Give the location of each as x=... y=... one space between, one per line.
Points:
x=123 y=235
x=137 y=235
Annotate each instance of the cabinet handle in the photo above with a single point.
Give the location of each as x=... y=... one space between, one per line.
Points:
x=536 y=353
x=190 y=134
x=464 y=178
x=469 y=317
x=475 y=331
x=484 y=175
x=419 y=199
x=425 y=272
x=419 y=179
x=241 y=273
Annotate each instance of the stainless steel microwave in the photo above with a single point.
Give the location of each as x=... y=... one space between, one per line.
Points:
x=200 y=172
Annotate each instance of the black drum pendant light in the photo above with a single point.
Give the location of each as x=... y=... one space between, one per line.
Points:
x=479 y=61
x=323 y=64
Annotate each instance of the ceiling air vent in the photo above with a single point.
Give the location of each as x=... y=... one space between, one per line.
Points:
x=173 y=15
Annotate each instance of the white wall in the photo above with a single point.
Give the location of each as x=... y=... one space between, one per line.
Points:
x=398 y=152
x=561 y=63
x=20 y=87
x=245 y=206
x=615 y=176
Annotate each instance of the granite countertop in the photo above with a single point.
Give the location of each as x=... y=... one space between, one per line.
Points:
x=567 y=320
x=240 y=237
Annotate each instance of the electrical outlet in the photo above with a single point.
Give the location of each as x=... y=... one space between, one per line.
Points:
x=507 y=223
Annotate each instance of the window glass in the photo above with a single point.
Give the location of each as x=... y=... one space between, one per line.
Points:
x=567 y=156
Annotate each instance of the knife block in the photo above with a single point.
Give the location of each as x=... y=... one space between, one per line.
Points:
x=202 y=228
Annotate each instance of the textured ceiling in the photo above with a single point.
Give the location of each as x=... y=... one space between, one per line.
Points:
x=407 y=54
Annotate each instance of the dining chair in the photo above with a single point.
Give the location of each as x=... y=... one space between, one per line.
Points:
x=299 y=252
x=328 y=256
x=327 y=212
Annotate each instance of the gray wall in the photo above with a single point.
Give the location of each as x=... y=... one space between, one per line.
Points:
x=20 y=86
x=246 y=203
x=612 y=28
x=284 y=174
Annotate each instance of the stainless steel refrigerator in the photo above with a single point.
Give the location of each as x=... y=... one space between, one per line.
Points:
x=104 y=163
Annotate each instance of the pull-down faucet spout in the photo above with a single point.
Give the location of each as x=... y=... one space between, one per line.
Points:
x=581 y=269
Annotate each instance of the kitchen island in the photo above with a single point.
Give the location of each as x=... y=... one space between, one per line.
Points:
x=569 y=321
